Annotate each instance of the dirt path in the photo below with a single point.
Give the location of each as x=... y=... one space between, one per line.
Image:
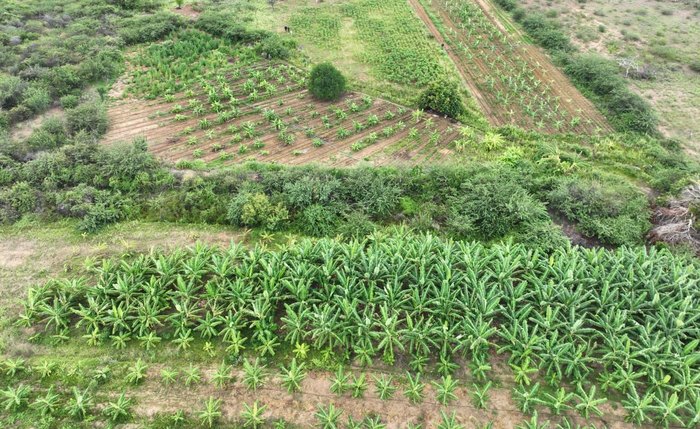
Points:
x=464 y=76
x=299 y=408
x=490 y=77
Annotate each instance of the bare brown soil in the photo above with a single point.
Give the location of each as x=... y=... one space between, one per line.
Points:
x=30 y=257
x=24 y=129
x=131 y=118
x=187 y=11
x=476 y=71
x=299 y=408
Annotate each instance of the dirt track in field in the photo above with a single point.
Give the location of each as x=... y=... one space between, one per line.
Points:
x=300 y=408
x=475 y=70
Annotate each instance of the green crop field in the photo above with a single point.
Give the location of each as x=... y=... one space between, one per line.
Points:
x=361 y=214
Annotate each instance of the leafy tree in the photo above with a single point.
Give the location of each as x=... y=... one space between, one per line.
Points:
x=443 y=97
x=326 y=83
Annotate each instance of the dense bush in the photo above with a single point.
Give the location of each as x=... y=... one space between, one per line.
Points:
x=90 y=117
x=37 y=98
x=442 y=97
x=11 y=90
x=491 y=204
x=546 y=32
x=226 y=25
x=50 y=135
x=64 y=79
x=695 y=65
x=141 y=29
x=627 y=110
x=326 y=83
x=318 y=220
x=275 y=47
x=95 y=208
x=615 y=214
x=248 y=209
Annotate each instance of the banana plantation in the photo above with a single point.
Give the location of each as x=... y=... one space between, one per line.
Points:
x=576 y=327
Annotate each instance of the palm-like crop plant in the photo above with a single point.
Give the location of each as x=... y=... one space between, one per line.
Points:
x=136 y=373
x=15 y=398
x=80 y=404
x=192 y=375
x=293 y=376
x=533 y=423
x=222 y=375
x=341 y=381
x=384 y=386
x=558 y=402
x=481 y=395
x=14 y=366
x=45 y=369
x=448 y=421
x=211 y=412
x=630 y=314
x=414 y=390
x=527 y=397
x=328 y=416
x=47 y=404
x=669 y=409
x=446 y=390
x=253 y=374
x=118 y=410
x=358 y=386
x=168 y=376
x=588 y=402
x=253 y=415
x=374 y=423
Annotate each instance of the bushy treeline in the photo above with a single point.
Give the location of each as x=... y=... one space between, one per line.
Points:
x=597 y=77
x=487 y=202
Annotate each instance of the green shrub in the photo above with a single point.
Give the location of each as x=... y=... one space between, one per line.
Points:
x=492 y=204
x=614 y=214
x=11 y=90
x=50 y=135
x=442 y=97
x=356 y=225
x=21 y=197
x=95 y=208
x=627 y=110
x=36 y=98
x=149 y=28
x=90 y=117
x=69 y=101
x=64 y=79
x=318 y=220
x=18 y=114
x=326 y=82
x=275 y=47
x=695 y=65
x=248 y=209
x=507 y=4
x=107 y=64
x=224 y=25
x=546 y=32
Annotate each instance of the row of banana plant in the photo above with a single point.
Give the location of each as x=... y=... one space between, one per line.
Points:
x=626 y=320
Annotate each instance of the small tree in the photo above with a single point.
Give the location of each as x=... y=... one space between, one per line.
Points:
x=179 y=3
x=326 y=82
x=443 y=97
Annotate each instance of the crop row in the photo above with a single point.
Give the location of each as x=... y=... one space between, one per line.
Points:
x=627 y=321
